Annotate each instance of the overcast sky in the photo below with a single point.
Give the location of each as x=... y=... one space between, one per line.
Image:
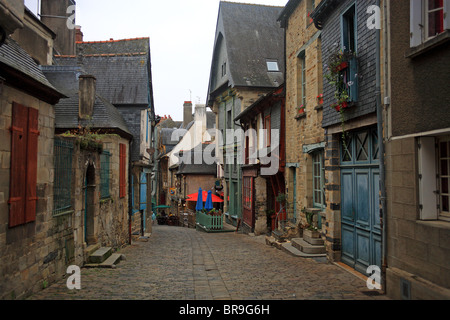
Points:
x=181 y=36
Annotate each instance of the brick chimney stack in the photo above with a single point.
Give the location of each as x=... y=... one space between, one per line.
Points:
x=78 y=34
x=187 y=113
x=87 y=84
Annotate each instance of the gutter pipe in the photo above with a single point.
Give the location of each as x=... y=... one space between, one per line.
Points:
x=380 y=129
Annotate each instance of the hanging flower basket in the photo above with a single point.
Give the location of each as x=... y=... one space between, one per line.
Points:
x=342 y=66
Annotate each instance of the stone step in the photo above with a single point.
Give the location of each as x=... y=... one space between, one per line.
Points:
x=278 y=235
x=111 y=262
x=313 y=241
x=91 y=249
x=100 y=255
x=306 y=247
x=289 y=248
x=273 y=242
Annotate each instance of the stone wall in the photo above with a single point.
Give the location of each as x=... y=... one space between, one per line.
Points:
x=302 y=129
x=418 y=251
x=35 y=255
x=31 y=255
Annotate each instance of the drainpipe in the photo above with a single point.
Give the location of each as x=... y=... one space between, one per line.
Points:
x=381 y=151
x=130 y=192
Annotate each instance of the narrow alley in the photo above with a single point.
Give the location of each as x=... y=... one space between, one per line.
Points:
x=185 y=264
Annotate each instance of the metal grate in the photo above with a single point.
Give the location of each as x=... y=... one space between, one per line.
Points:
x=62 y=189
x=104 y=174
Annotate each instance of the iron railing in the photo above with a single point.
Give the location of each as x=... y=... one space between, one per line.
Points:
x=104 y=174
x=62 y=188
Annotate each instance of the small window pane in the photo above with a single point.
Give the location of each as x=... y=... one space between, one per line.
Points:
x=272 y=66
x=445 y=204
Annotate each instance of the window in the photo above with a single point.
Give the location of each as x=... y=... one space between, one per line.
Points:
x=349 y=30
x=444 y=176
x=349 y=72
x=62 y=187
x=318 y=180
x=434 y=18
x=247 y=192
x=311 y=5
x=23 y=171
x=301 y=76
x=104 y=174
x=224 y=69
x=272 y=66
x=267 y=131
x=429 y=18
x=434 y=168
x=122 y=170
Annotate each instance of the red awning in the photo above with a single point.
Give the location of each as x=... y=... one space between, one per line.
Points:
x=193 y=197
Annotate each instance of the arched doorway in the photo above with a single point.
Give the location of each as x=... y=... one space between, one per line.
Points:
x=89 y=206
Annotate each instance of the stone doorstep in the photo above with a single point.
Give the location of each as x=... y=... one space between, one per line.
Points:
x=273 y=242
x=306 y=247
x=100 y=255
x=313 y=241
x=289 y=248
x=91 y=249
x=111 y=262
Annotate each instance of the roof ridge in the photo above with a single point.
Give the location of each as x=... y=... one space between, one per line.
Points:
x=112 y=40
x=253 y=4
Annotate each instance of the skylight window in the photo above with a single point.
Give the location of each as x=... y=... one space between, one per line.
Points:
x=272 y=66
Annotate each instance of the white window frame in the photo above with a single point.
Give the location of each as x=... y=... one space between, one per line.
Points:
x=442 y=215
x=419 y=21
x=429 y=179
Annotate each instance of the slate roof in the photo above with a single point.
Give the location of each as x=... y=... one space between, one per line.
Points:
x=252 y=36
x=105 y=116
x=197 y=169
x=12 y=55
x=122 y=69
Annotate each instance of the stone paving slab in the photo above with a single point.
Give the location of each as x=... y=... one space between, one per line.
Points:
x=184 y=264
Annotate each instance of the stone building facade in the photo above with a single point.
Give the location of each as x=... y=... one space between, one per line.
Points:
x=245 y=67
x=352 y=225
x=305 y=143
x=31 y=247
x=417 y=152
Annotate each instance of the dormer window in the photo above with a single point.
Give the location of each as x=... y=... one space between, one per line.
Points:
x=272 y=66
x=224 y=69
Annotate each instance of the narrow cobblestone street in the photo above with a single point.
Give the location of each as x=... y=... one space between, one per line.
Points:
x=184 y=264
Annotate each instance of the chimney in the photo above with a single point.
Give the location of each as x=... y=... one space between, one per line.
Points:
x=51 y=13
x=199 y=124
x=187 y=116
x=86 y=96
x=78 y=34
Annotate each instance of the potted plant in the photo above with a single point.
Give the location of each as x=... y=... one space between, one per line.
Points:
x=310 y=229
x=320 y=99
x=301 y=109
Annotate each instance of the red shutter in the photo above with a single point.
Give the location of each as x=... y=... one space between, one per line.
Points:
x=17 y=190
x=32 y=151
x=122 y=169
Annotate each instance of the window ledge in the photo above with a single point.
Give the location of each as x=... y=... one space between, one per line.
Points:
x=428 y=45
x=300 y=116
x=440 y=224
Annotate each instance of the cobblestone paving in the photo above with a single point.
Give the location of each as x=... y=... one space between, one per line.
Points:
x=184 y=264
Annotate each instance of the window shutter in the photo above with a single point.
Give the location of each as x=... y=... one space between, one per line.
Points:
x=32 y=150
x=18 y=165
x=416 y=23
x=122 y=174
x=353 y=92
x=446 y=14
x=427 y=179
